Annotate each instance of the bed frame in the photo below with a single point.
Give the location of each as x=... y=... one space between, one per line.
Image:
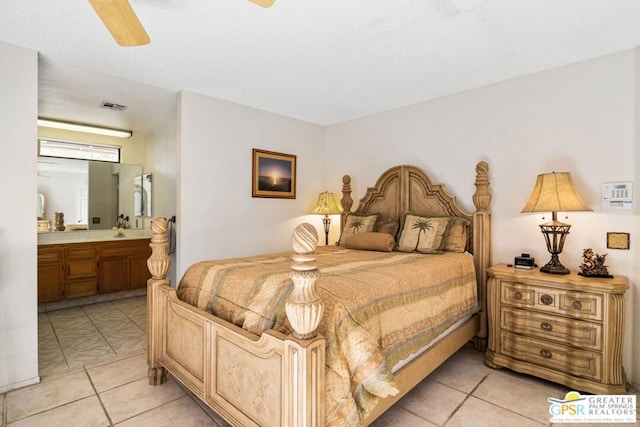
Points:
x=278 y=380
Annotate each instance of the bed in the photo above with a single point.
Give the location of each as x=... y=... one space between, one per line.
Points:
x=283 y=369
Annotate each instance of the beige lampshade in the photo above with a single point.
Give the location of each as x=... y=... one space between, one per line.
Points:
x=555 y=192
x=326 y=205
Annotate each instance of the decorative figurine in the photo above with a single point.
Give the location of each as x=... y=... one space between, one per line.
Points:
x=593 y=264
x=58 y=218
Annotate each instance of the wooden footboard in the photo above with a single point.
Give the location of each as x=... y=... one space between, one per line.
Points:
x=272 y=380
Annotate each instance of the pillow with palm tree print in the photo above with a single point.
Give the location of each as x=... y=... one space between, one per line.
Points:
x=423 y=233
x=355 y=223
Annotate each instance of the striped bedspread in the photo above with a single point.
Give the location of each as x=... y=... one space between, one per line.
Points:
x=380 y=307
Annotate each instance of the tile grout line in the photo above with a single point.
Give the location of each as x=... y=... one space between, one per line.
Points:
x=152 y=409
x=98 y=329
x=86 y=371
x=203 y=406
x=55 y=334
x=25 y=417
x=114 y=307
x=132 y=321
x=465 y=399
x=456 y=408
x=501 y=407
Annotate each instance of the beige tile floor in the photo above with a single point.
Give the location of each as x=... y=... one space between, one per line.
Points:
x=93 y=373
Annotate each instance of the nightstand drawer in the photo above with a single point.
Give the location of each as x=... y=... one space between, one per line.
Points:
x=583 y=334
x=518 y=294
x=580 y=363
x=583 y=305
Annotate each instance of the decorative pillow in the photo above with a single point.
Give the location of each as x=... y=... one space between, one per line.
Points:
x=423 y=233
x=356 y=223
x=371 y=241
x=457 y=236
x=388 y=226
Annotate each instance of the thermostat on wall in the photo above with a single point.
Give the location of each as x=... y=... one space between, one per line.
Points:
x=617 y=195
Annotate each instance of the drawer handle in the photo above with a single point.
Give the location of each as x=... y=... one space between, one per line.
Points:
x=577 y=305
x=546 y=299
x=545 y=354
x=517 y=295
x=546 y=326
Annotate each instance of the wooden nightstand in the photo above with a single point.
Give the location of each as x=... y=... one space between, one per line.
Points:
x=564 y=328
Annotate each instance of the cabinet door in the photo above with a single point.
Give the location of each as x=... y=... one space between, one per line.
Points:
x=50 y=283
x=50 y=273
x=139 y=271
x=114 y=275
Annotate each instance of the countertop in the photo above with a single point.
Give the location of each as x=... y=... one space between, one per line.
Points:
x=81 y=236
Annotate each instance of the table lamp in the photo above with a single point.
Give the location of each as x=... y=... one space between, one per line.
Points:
x=326 y=206
x=555 y=192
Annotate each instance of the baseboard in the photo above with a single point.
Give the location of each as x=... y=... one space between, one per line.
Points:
x=15 y=386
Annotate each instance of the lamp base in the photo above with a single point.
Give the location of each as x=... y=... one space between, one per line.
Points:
x=555 y=233
x=554 y=266
x=326 y=222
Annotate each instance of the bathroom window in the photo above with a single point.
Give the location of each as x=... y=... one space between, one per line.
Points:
x=79 y=150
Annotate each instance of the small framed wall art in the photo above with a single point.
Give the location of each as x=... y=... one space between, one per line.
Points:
x=274 y=175
x=618 y=240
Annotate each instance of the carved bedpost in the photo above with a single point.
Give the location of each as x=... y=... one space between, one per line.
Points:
x=482 y=245
x=346 y=200
x=482 y=197
x=304 y=307
x=158 y=265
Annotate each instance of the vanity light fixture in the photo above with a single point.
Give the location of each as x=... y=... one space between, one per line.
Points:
x=79 y=127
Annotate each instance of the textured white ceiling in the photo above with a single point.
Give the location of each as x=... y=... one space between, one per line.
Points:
x=322 y=61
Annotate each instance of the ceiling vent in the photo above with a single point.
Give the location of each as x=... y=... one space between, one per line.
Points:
x=113 y=106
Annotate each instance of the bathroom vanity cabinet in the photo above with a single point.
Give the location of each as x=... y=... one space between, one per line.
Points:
x=73 y=270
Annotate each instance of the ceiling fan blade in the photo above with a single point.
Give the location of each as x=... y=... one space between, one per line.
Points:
x=263 y=3
x=121 y=21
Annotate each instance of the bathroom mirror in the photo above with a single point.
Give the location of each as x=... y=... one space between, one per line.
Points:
x=90 y=193
x=142 y=195
x=42 y=206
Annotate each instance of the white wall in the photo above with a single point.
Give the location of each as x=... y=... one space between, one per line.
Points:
x=160 y=161
x=18 y=290
x=579 y=118
x=217 y=217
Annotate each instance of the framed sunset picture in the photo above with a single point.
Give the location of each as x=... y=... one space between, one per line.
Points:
x=274 y=175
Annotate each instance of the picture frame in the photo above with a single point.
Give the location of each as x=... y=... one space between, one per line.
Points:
x=274 y=175
x=617 y=240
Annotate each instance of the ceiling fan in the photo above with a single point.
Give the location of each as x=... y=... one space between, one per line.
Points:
x=124 y=25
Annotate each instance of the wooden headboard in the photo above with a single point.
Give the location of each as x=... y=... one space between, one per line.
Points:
x=405 y=188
